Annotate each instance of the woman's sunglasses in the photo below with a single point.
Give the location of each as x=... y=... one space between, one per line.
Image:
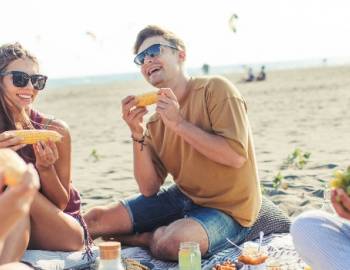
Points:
x=151 y=51
x=21 y=79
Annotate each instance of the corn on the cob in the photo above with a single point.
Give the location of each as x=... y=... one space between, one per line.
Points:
x=14 y=167
x=146 y=99
x=32 y=136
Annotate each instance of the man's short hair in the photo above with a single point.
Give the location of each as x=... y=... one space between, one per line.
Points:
x=154 y=30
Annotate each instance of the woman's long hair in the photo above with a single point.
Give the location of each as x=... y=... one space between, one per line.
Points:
x=8 y=110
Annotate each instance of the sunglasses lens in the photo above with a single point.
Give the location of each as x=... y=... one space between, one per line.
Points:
x=140 y=58
x=38 y=82
x=154 y=50
x=20 y=79
x=151 y=51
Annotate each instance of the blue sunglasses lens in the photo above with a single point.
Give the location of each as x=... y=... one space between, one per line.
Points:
x=151 y=51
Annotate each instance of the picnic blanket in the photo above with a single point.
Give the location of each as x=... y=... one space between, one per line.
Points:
x=280 y=247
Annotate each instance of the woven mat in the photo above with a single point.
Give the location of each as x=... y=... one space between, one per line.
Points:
x=280 y=247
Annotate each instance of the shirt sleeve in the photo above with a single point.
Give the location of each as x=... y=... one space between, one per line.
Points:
x=228 y=115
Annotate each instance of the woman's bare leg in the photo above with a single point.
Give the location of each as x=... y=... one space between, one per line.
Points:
x=52 y=229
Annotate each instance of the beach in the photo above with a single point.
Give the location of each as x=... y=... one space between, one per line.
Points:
x=308 y=109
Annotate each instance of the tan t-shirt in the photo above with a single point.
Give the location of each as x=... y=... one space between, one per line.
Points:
x=214 y=105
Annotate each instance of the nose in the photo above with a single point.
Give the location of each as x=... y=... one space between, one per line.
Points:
x=148 y=59
x=30 y=85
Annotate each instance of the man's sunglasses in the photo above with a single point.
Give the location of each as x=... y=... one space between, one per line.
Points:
x=21 y=79
x=151 y=51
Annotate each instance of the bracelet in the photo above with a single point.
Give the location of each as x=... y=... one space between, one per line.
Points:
x=141 y=141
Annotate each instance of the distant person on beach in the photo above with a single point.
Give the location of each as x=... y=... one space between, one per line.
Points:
x=323 y=239
x=205 y=69
x=200 y=135
x=15 y=203
x=56 y=223
x=250 y=75
x=262 y=74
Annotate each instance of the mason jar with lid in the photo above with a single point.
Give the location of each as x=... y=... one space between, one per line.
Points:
x=189 y=256
x=110 y=256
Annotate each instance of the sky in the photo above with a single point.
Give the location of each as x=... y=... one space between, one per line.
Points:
x=92 y=37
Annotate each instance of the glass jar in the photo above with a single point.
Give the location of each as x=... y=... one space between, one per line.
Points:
x=252 y=257
x=189 y=256
x=110 y=258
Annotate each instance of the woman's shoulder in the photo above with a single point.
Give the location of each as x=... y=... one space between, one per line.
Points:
x=60 y=126
x=51 y=123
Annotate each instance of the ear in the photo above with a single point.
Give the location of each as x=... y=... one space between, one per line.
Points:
x=182 y=56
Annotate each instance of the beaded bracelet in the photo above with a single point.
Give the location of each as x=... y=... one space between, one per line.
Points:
x=142 y=141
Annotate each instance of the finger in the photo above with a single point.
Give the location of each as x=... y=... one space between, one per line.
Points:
x=341 y=211
x=54 y=149
x=336 y=199
x=42 y=146
x=127 y=99
x=345 y=200
x=38 y=150
x=17 y=147
x=162 y=106
x=128 y=103
x=140 y=115
x=10 y=141
x=334 y=196
x=47 y=153
x=135 y=112
x=165 y=99
x=6 y=135
x=129 y=111
x=168 y=92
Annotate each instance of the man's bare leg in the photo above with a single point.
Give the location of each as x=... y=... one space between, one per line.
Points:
x=114 y=222
x=134 y=240
x=107 y=220
x=164 y=242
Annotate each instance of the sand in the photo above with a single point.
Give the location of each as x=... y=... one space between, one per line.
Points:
x=302 y=108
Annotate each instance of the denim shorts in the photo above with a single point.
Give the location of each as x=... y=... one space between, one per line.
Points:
x=170 y=204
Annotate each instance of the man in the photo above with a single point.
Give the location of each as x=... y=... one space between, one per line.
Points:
x=200 y=135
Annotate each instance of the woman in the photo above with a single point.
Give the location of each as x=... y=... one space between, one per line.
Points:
x=323 y=239
x=56 y=223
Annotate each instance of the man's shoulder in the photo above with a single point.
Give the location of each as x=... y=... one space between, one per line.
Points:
x=205 y=81
x=217 y=86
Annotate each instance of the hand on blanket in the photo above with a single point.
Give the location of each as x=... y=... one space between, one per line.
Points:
x=341 y=203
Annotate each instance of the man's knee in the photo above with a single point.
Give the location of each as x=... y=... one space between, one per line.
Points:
x=94 y=215
x=163 y=246
x=109 y=220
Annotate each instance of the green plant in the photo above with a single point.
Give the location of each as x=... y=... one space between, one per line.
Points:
x=277 y=180
x=298 y=159
x=94 y=155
